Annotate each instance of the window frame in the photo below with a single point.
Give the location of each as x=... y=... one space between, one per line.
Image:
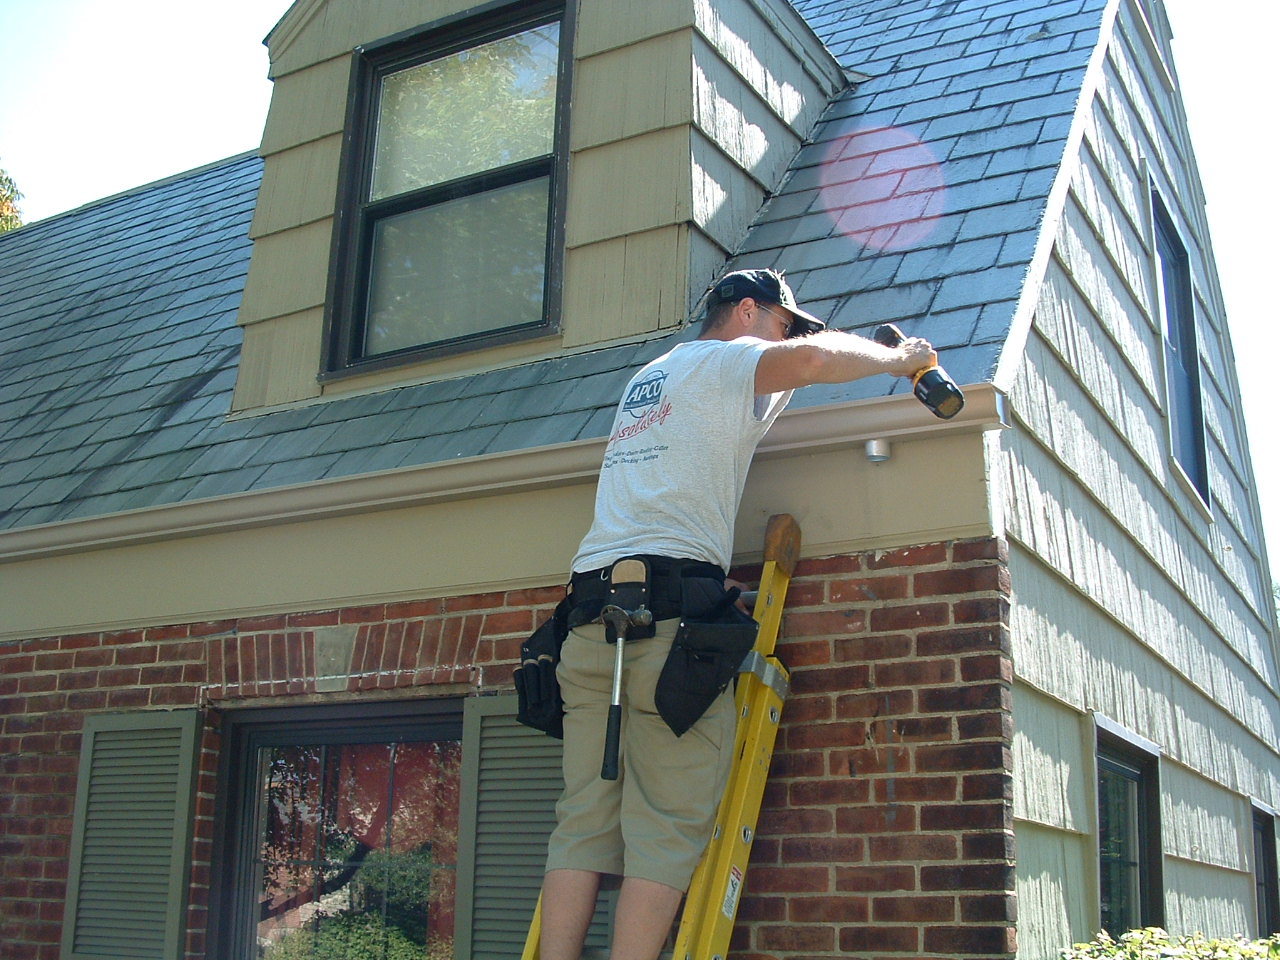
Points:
x=244 y=732
x=1266 y=873
x=1176 y=315
x=1121 y=752
x=350 y=266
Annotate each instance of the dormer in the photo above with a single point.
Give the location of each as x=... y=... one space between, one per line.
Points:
x=450 y=189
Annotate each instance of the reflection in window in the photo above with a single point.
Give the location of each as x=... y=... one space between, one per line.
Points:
x=1182 y=353
x=1129 y=854
x=357 y=850
x=450 y=184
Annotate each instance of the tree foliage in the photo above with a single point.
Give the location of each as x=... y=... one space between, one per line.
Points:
x=10 y=215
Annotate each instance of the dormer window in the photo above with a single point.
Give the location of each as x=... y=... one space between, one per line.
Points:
x=448 y=235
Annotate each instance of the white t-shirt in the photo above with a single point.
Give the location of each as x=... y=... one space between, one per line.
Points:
x=683 y=437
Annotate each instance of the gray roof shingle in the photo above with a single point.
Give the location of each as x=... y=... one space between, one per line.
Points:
x=918 y=200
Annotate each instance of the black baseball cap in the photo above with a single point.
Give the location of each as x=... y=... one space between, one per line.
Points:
x=766 y=286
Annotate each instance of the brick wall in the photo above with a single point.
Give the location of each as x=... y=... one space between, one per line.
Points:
x=888 y=824
x=887 y=829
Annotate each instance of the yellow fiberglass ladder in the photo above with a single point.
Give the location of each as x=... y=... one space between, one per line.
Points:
x=763 y=682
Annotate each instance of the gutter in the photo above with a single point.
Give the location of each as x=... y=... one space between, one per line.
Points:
x=805 y=429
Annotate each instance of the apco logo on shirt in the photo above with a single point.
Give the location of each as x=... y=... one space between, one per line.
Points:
x=644 y=394
x=645 y=405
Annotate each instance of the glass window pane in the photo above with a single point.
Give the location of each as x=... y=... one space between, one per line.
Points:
x=458 y=268
x=358 y=851
x=1118 y=851
x=475 y=110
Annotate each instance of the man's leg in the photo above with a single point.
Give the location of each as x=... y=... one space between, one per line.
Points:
x=568 y=903
x=643 y=920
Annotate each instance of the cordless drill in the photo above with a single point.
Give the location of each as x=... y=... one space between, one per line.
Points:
x=933 y=387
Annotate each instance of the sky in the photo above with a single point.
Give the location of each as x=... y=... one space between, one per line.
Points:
x=101 y=96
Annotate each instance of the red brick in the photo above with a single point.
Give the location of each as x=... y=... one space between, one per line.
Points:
x=914 y=673
x=475 y=601
x=135 y=697
x=973 y=696
x=151 y=676
x=829 y=791
x=985 y=941
x=18 y=663
x=881 y=703
x=314 y=618
x=793 y=937
x=760 y=908
x=805 y=653
x=807 y=709
x=877 y=647
x=981 y=610
x=790 y=879
x=962 y=756
x=132 y=656
x=175 y=696
x=990 y=907
x=920 y=848
x=881 y=818
x=847 y=563
x=508 y=622
x=981 y=726
x=828 y=910
x=967 y=816
x=784 y=823
x=100 y=657
x=877 y=937
x=38 y=683
x=916 y=789
x=988 y=786
x=824 y=623
x=988 y=846
x=185 y=651
x=534 y=596
x=809 y=736
x=123 y=636
x=912 y=909
x=879 y=759
x=829 y=850
x=962 y=580
x=168 y=632
x=210 y=628
x=988 y=548
x=62 y=660
x=915 y=616
x=78 y=680
x=870 y=589
x=992 y=877
x=827 y=679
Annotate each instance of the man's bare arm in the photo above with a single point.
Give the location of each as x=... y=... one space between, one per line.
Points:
x=836 y=357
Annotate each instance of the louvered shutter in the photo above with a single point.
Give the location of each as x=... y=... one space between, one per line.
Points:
x=131 y=837
x=510 y=783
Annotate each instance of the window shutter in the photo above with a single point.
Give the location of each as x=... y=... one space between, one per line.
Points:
x=510 y=783
x=131 y=837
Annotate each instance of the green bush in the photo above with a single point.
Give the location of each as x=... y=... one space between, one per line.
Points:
x=1153 y=943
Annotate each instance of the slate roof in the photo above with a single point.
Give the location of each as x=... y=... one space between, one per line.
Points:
x=918 y=201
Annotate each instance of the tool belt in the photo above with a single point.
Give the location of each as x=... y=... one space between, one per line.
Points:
x=590 y=591
x=713 y=638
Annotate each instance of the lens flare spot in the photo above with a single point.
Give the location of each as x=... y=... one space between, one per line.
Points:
x=882 y=187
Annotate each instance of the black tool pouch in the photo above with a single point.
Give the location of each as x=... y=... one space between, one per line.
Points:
x=537 y=690
x=713 y=638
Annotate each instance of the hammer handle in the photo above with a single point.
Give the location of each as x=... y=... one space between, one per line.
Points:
x=612 y=734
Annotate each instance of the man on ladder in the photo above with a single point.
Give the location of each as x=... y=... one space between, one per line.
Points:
x=655 y=636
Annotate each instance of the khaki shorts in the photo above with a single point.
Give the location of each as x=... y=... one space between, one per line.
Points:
x=655 y=820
